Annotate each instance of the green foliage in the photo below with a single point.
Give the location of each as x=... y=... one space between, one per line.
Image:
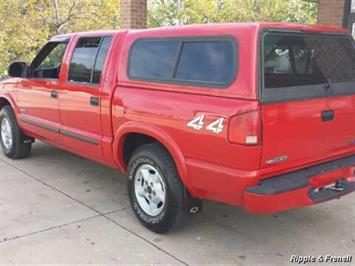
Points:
x=26 y=25
x=175 y=12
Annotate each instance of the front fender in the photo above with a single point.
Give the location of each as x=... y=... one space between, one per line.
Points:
x=159 y=135
x=8 y=97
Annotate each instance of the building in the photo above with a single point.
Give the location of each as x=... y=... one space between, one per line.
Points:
x=340 y=13
x=133 y=14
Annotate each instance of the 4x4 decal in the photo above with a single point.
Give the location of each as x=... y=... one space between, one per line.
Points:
x=198 y=123
x=216 y=126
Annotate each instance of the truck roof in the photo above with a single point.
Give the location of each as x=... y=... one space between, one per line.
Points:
x=247 y=25
x=223 y=26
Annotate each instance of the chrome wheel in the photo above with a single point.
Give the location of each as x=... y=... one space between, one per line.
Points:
x=6 y=133
x=150 y=190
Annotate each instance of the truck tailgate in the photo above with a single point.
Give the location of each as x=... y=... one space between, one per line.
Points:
x=308 y=130
x=308 y=97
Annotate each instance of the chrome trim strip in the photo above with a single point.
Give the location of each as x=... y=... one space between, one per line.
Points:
x=66 y=133
x=38 y=124
x=79 y=137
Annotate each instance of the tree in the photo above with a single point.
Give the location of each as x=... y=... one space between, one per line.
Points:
x=170 y=12
x=26 y=25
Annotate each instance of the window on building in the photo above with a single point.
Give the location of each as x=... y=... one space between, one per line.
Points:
x=352 y=6
x=88 y=59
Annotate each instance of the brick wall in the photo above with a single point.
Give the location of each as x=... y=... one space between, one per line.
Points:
x=331 y=12
x=133 y=14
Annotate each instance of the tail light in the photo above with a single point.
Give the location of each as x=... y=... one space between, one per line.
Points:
x=245 y=129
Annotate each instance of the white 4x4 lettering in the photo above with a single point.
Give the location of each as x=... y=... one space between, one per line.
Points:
x=197 y=123
x=216 y=126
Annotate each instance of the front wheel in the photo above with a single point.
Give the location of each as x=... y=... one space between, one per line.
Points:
x=14 y=143
x=157 y=195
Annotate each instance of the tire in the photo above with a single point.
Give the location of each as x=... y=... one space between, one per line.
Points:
x=168 y=207
x=15 y=144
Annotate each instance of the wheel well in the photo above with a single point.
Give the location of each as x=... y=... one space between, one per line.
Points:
x=132 y=142
x=3 y=102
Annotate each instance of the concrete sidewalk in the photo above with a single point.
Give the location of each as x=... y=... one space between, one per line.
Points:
x=56 y=207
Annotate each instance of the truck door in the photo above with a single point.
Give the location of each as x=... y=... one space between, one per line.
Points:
x=79 y=106
x=38 y=96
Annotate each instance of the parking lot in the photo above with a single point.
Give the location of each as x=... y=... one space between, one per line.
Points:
x=56 y=207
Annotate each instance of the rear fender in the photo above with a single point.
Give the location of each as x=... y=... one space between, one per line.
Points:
x=158 y=134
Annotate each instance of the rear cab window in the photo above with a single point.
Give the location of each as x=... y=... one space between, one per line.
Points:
x=88 y=59
x=208 y=62
x=306 y=65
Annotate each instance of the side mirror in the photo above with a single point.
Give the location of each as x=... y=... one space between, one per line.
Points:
x=18 y=70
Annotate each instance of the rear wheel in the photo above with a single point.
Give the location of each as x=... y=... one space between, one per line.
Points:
x=14 y=143
x=157 y=195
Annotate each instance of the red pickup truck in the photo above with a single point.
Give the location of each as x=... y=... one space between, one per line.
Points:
x=258 y=115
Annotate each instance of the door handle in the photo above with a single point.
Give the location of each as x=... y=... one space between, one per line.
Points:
x=327 y=115
x=94 y=101
x=54 y=94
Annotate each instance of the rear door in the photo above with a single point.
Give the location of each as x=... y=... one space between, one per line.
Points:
x=80 y=96
x=308 y=102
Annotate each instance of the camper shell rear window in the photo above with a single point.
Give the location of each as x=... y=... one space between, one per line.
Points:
x=299 y=66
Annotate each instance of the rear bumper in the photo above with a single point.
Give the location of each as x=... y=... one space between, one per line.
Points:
x=301 y=188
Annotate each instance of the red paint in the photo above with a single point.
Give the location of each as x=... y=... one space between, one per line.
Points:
x=212 y=166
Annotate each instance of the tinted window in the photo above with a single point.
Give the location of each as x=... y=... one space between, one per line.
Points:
x=48 y=62
x=210 y=62
x=100 y=60
x=54 y=58
x=88 y=59
x=291 y=60
x=151 y=59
